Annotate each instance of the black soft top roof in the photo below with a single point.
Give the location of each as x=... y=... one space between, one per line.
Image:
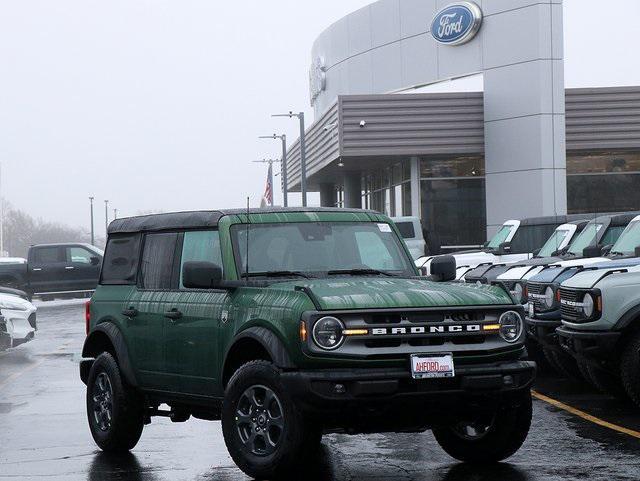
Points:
x=203 y=219
x=556 y=219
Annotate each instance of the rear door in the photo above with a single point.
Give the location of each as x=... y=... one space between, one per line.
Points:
x=82 y=268
x=47 y=269
x=192 y=341
x=148 y=304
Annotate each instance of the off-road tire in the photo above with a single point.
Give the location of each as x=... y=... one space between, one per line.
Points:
x=607 y=382
x=630 y=368
x=502 y=440
x=127 y=419
x=566 y=365
x=536 y=353
x=583 y=367
x=299 y=440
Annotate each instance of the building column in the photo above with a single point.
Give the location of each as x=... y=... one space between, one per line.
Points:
x=353 y=190
x=416 y=204
x=327 y=195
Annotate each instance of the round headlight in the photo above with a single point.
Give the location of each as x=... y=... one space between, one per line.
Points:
x=549 y=297
x=510 y=326
x=587 y=305
x=327 y=333
x=518 y=292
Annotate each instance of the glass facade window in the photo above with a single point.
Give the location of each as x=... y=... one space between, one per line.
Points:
x=603 y=182
x=389 y=190
x=453 y=201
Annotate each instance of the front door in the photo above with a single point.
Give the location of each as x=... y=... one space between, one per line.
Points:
x=191 y=340
x=83 y=268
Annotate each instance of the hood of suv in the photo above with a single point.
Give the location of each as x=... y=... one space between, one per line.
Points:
x=389 y=293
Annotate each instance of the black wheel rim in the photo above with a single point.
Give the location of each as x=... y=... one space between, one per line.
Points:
x=260 y=420
x=102 y=397
x=472 y=431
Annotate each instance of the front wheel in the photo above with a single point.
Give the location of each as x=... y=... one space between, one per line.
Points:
x=265 y=433
x=114 y=410
x=489 y=440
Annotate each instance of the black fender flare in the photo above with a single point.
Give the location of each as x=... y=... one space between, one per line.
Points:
x=115 y=336
x=269 y=341
x=627 y=318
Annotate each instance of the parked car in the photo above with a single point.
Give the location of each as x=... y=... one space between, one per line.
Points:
x=601 y=327
x=558 y=246
x=18 y=322
x=544 y=308
x=54 y=270
x=289 y=323
x=516 y=240
x=411 y=230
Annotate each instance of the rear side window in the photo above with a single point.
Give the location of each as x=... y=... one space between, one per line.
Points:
x=531 y=237
x=611 y=236
x=47 y=255
x=158 y=259
x=121 y=260
x=406 y=230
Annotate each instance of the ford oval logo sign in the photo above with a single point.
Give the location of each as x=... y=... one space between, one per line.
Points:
x=457 y=23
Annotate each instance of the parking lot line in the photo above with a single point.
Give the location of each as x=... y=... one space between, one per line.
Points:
x=585 y=416
x=20 y=373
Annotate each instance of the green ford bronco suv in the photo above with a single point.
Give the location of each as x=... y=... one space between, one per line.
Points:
x=289 y=324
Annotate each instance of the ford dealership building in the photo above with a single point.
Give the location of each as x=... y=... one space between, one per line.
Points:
x=519 y=146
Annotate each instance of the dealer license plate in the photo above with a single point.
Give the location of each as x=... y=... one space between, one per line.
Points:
x=432 y=366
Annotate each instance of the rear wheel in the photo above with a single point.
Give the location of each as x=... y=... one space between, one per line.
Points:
x=630 y=368
x=114 y=410
x=265 y=433
x=489 y=440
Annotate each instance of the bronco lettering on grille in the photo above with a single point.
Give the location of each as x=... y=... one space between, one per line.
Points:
x=403 y=331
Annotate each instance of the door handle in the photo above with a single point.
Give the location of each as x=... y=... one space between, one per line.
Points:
x=36 y=269
x=131 y=312
x=69 y=268
x=173 y=315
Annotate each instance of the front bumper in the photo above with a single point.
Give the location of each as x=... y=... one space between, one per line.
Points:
x=589 y=345
x=543 y=331
x=334 y=390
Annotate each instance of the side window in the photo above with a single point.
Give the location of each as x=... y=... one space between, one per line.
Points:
x=47 y=255
x=201 y=246
x=79 y=255
x=531 y=237
x=611 y=236
x=406 y=230
x=120 y=265
x=158 y=259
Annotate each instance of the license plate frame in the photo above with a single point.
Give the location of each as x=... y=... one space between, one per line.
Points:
x=432 y=371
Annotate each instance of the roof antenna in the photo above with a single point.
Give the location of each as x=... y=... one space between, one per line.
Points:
x=246 y=267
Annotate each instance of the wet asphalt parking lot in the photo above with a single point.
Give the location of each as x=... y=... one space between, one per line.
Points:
x=44 y=435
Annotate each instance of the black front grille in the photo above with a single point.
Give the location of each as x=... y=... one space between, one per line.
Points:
x=571 y=313
x=535 y=289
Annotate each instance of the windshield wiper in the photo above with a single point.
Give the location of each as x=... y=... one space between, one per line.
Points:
x=360 y=272
x=279 y=274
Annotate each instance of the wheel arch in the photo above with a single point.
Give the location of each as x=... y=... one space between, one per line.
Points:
x=107 y=337
x=253 y=344
x=630 y=320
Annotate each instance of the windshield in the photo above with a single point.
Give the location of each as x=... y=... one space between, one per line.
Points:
x=587 y=237
x=629 y=240
x=554 y=243
x=501 y=237
x=317 y=249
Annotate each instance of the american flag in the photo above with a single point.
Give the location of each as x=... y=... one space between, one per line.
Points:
x=268 y=191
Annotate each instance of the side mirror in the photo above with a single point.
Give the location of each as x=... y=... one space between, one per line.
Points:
x=201 y=275
x=592 y=251
x=606 y=250
x=504 y=248
x=95 y=261
x=443 y=269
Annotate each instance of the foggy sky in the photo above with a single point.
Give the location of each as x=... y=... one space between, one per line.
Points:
x=156 y=104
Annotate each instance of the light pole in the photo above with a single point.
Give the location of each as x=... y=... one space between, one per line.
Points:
x=303 y=154
x=115 y=214
x=106 y=217
x=283 y=165
x=93 y=235
x=270 y=162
